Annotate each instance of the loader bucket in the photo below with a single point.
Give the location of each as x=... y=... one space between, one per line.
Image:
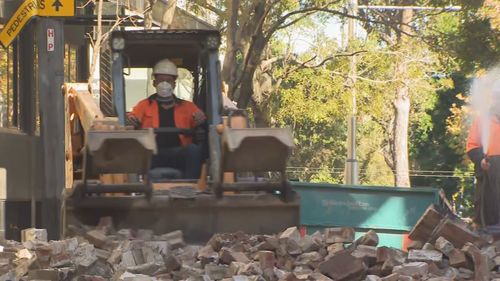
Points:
x=256 y=149
x=199 y=217
x=121 y=151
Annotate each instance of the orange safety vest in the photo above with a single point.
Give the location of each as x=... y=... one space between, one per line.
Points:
x=474 y=138
x=147 y=113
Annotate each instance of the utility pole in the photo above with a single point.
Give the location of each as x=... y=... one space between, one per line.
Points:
x=351 y=165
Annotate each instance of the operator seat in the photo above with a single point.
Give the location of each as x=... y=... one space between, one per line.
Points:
x=160 y=174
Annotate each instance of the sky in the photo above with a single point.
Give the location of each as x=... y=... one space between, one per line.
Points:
x=333 y=29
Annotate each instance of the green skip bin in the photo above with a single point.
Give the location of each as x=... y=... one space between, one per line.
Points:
x=390 y=211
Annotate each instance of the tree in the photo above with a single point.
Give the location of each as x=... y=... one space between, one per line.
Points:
x=249 y=26
x=401 y=31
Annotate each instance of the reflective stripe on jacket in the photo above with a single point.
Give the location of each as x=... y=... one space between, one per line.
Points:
x=147 y=113
x=474 y=138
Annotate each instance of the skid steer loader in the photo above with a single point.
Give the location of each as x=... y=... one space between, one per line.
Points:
x=243 y=185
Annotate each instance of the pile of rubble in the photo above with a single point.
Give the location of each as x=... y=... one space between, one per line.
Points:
x=334 y=254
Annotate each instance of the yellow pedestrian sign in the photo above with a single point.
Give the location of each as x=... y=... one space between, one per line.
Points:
x=31 y=8
x=57 y=8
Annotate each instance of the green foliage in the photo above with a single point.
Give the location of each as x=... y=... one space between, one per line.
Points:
x=311 y=103
x=465 y=40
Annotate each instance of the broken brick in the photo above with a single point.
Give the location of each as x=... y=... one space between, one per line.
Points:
x=227 y=256
x=335 y=248
x=443 y=245
x=311 y=259
x=373 y=278
x=45 y=274
x=34 y=234
x=457 y=258
x=415 y=245
x=96 y=237
x=172 y=263
x=425 y=255
x=175 y=239
x=127 y=259
x=316 y=276
x=481 y=264
x=251 y=268
x=207 y=255
x=428 y=247
x=370 y=238
x=291 y=233
x=457 y=233
x=308 y=244
x=367 y=253
x=339 y=235
x=424 y=227
x=385 y=253
x=391 y=277
x=343 y=266
x=267 y=260
x=413 y=268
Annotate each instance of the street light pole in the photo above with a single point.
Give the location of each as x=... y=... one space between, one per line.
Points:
x=351 y=165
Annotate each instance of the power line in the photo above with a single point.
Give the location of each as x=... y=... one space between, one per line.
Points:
x=375 y=7
x=341 y=169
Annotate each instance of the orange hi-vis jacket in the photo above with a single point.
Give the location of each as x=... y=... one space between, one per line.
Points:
x=147 y=113
x=474 y=139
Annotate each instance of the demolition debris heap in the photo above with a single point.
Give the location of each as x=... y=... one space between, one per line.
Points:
x=447 y=251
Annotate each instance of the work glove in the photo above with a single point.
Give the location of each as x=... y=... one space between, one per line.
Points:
x=199 y=118
x=485 y=164
x=134 y=121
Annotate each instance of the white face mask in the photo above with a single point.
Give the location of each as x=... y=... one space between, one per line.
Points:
x=164 y=90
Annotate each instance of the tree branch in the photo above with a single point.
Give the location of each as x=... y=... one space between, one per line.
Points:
x=210 y=7
x=303 y=16
x=311 y=10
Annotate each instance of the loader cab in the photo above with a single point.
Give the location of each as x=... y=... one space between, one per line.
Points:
x=195 y=53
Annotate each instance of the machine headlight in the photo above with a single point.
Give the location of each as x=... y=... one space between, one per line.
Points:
x=118 y=44
x=213 y=42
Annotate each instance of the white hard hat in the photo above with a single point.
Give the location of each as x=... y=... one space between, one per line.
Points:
x=165 y=66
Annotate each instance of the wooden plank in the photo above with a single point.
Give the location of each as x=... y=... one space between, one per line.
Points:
x=68 y=146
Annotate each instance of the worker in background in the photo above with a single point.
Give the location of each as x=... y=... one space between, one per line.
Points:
x=164 y=110
x=487 y=164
